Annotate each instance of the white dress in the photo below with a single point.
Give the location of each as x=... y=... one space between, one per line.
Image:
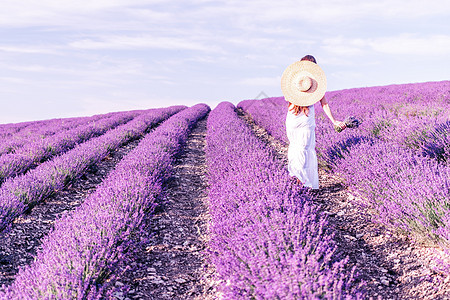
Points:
x=302 y=143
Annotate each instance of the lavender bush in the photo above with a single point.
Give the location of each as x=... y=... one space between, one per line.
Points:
x=28 y=129
x=436 y=142
x=406 y=191
x=267 y=239
x=22 y=192
x=14 y=136
x=7 y=130
x=11 y=142
x=79 y=257
x=269 y=113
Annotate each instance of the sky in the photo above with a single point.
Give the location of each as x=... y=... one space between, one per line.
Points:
x=64 y=58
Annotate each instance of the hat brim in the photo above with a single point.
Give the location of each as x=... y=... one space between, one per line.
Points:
x=290 y=80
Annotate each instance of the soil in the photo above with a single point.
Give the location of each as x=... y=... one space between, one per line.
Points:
x=391 y=265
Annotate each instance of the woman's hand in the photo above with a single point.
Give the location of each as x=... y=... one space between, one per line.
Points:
x=339 y=124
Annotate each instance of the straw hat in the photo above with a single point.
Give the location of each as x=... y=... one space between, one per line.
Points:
x=303 y=83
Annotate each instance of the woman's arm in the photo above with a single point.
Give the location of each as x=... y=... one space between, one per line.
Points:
x=326 y=109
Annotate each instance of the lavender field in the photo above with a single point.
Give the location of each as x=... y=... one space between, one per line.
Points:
x=397 y=161
x=192 y=203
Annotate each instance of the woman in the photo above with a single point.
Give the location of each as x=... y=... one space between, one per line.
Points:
x=306 y=88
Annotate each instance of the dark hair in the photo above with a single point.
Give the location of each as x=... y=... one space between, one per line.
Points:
x=309 y=58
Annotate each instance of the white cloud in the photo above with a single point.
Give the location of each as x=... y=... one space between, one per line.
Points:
x=346 y=76
x=30 y=49
x=326 y=11
x=97 y=67
x=22 y=13
x=14 y=80
x=412 y=45
x=143 y=42
x=250 y=14
x=262 y=81
x=403 y=44
x=344 y=46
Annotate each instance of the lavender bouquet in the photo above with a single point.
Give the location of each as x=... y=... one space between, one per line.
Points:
x=350 y=122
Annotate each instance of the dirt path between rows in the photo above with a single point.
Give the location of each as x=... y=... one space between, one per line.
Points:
x=21 y=242
x=172 y=263
x=392 y=266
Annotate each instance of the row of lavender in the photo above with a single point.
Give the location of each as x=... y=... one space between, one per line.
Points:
x=14 y=136
x=79 y=257
x=267 y=239
x=397 y=160
x=22 y=192
x=24 y=129
x=42 y=130
x=13 y=128
x=35 y=151
x=402 y=169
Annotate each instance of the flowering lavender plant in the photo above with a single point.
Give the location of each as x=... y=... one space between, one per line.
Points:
x=436 y=142
x=14 y=136
x=35 y=152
